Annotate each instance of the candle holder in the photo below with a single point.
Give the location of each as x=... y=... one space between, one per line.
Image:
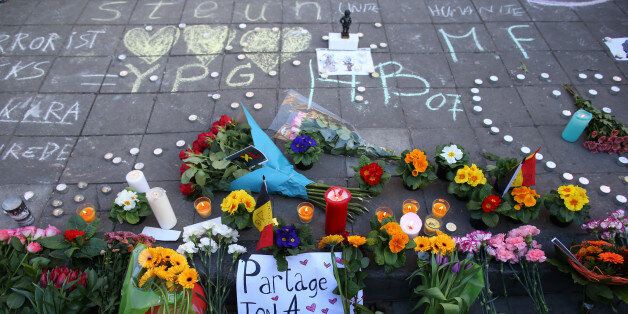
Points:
x=87 y=212
x=440 y=207
x=305 y=210
x=383 y=212
x=410 y=206
x=431 y=225
x=203 y=206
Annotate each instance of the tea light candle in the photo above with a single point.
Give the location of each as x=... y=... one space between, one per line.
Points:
x=477 y=109
x=87 y=213
x=566 y=114
x=550 y=165
x=567 y=176
x=544 y=76
x=451 y=227
x=605 y=189
x=476 y=99
x=61 y=188
x=305 y=211
x=598 y=76
x=249 y=94
x=577 y=124
x=411 y=224
x=137 y=181
x=607 y=110
x=440 y=207
x=203 y=206
x=616 y=78
x=622 y=160
x=583 y=181
x=159 y=203
x=556 y=93
x=538 y=156
x=272 y=73
x=525 y=150
x=508 y=139
x=493 y=78
x=615 y=90
x=134 y=151
x=494 y=130
x=383 y=212
x=521 y=77
x=487 y=122
x=582 y=76
x=373 y=46
x=475 y=90
x=478 y=81
x=410 y=206
x=592 y=92
x=431 y=225
x=620 y=199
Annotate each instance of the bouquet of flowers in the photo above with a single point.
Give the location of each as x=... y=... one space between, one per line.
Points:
x=475 y=244
x=371 y=176
x=449 y=284
x=351 y=276
x=448 y=159
x=466 y=181
x=567 y=203
x=485 y=206
x=212 y=242
x=290 y=240
x=611 y=228
x=523 y=255
x=416 y=172
x=129 y=206
x=237 y=209
x=79 y=240
x=206 y=167
x=524 y=204
x=304 y=151
x=388 y=243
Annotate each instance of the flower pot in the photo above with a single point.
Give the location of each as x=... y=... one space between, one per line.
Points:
x=441 y=172
x=559 y=223
x=478 y=224
x=142 y=218
x=301 y=166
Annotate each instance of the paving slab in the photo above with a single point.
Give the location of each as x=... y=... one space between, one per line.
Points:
x=171 y=113
x=166 y=165
x=92 y=40
x=467 y=67
x=107 y=12
x=157 y=12
x=119 y=114
x=410 y=38
x=568 y=36
x=52 y=114
x=17 y=12
x=80 y=74
x=508 y=10
x=258 y=11
x=56 y=12
x=202 y=11
x=35 y=40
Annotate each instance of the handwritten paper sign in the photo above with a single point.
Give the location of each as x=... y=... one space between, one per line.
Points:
x=306 y=287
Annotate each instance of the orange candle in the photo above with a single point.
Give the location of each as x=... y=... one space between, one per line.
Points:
x=383 y=212
x=203 y=206
x=305 y=211
x=410 y=206
x=440 y=208
x=87 y=213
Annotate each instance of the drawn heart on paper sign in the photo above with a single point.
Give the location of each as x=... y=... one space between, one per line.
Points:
x=325 y=310
x=304 y=262
x=338 y=260
x=275 y=298
x=207 y=41
x=151 y=47
x=326 y=264
x=262 y=45
x=333 y=301
x=311 y=308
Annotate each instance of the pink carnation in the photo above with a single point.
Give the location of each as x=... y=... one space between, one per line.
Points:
x=515 y=243
x=5 y=235
x=536 y=255
x=505 y=255
x=524 y=231
x=52 y=231
x=497 y=240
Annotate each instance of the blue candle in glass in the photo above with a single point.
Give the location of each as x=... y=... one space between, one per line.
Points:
x=576 y=125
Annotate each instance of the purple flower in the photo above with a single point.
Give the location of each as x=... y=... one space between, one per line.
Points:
x=441 y=259
x=456 y=268
x=286 y=237
x=302 y=143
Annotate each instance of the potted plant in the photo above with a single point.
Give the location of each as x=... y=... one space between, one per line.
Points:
x=467 y=180
x=304 y=151
x=567 y=203
x=484 y=206
x=129 y=206
x=416 y=172
x=289 y=240
x=371 y=176
x=524 y=204
x=388 y=243
x=237 y=209
x=448 y=159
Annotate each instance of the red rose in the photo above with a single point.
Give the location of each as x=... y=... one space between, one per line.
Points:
x=490 y=203
x=205 y=139
x=224 y=120
x=371 y=173
x=184 y=154
x=183 y=168
x=72 y=234
x=593 y=134
x=197 y=146
x=186 y=189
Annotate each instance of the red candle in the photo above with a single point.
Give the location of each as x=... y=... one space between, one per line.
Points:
x=337 y=202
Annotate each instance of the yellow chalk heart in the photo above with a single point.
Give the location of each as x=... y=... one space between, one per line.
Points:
x=151 y=47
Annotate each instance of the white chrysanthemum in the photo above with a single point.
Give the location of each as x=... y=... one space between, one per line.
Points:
x=451 y=154
x=187 y=247
x=236 y=249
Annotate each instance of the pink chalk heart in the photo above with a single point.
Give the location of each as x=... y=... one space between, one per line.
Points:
x=333 y=301
x=275 y=298
x=311 y=308
x=326 y=264
x=304 y=262
x=325 y=310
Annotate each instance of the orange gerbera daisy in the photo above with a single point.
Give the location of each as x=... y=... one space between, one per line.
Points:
x=392 y=228
x=398 y=242
x=611 y=257
x=598 y=243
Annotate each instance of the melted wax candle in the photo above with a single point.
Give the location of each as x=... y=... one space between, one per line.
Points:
x=336 y=206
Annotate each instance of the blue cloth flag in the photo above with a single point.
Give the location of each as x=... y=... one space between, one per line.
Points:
x=281 y=178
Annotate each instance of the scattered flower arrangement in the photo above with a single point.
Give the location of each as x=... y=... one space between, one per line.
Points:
x=474 y=244
x=467 y=179
x=80 y=242
x=129 y=206
x=524 y=204
x=415 y=170
x=304 y=151
x=351 y=276
x=611 y=228
x=388 y=243
x=237 y=209
x=567 y=203
x=448 y=159
x=290 y=240
x=371 y=176
x=212 y=243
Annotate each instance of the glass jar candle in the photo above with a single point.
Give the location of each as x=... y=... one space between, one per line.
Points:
x=410 y=206
x=203 y=206
x=440 y=207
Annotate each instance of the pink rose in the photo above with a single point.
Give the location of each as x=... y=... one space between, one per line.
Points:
x=39 y=233
x=33 y=247
x=4 y=235
x=21 y=238
x=52 y=231
x=27 y=231
x=536 y=255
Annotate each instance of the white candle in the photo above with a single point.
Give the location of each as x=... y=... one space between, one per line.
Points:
x=411 y=224
x=159 y=203
x=137 y=181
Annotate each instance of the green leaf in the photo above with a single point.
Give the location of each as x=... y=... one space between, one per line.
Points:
x=188 y=175
x=490 y=219
x=240 y=172
x=220 y=164
x=54 y=243
x=15 y=300
x=200 y=177
x=435 y=293
x=132 y=217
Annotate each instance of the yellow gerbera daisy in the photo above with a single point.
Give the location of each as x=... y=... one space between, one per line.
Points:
x=149 y=258
x=356 y=240
x=162 y=273
x=187 y=278
x=145 y=277
x=329 y=240
x=442 y=244
x=178 y=260
x=423 y=244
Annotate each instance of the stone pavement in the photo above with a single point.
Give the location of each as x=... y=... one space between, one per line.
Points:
x=64 y=101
